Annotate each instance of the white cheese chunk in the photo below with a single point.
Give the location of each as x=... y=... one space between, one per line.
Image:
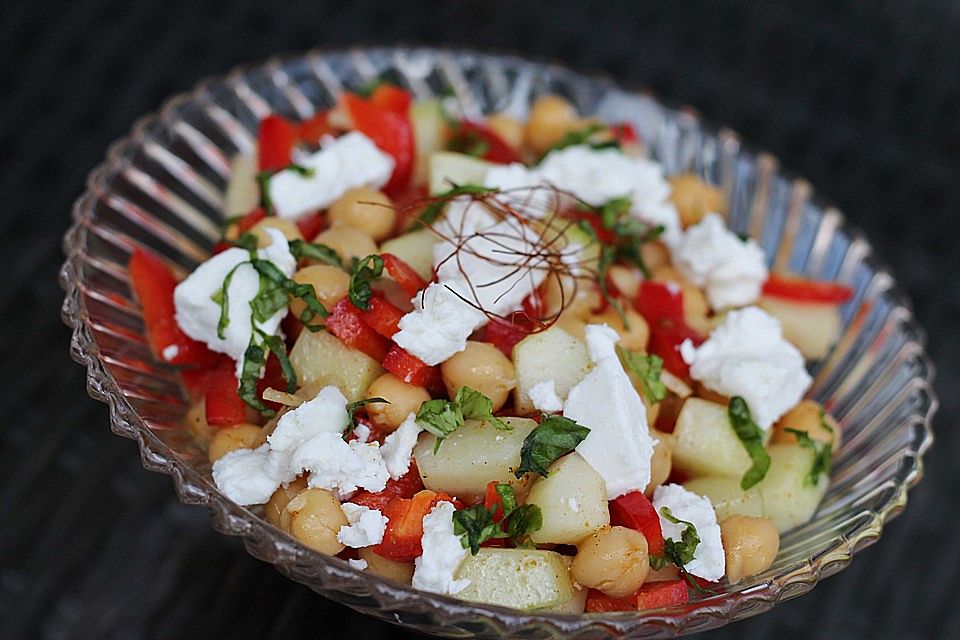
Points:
x=748 y=356
x=366 y=527
x=198 y=315
x=544 y=396
x=248 y=476
x=442 y=556
x=324 y=413
x=619 y=446
x=439 y=325
x=398 y=447
x=343 y=466
x=731 y=270
x=357 y=563
x=352 y=160
x=708 y=559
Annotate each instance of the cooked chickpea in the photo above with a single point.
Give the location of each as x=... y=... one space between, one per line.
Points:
x=365 y=209
x=693 y=197
x=662 y=461
x=482 y=367
x=401 y=572
x=273 y=509
x=404 y=399
x=749 y=546
x=328 y=282
x=806 y=417
x=550 y=119
x=241 y=436
x=694 y=301
x=349 y=242
x=314 y=517
x=508 y=128
x=625 y=279
x=196 y=421
x=655 y=254
x=635 y=337
x=614 y=560
x=286 y=226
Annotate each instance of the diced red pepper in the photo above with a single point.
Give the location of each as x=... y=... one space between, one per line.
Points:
x=504 y=335
x=195 y=379
x=311 y=225
x=495 y=149
x=408 y=279
x=389 y=129
x=411 y=369
x=220 y=247
x=659 y=301
x=634 y=510
x=401 y=540
x=803 y=290
x=272 y=378
x=247 y=222
x=224 y=407
x=492 y=498
x=625 y=133
x=406 y=486
x=651 y=595
x=153 y=283
x=315 y=127
x=382 y=316
x=346 y=323
x=666 y=336
x=277 y=137
x=390 y=97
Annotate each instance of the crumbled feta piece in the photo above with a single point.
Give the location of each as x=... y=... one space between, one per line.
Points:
x=619 y=446
x=344 y=466
x=442 y=555
x=170 y=352
x=366 y=527
x=731 y=270
x=326 y=412
x=544 y=396
x=595 y=176
x=198 y=315
x=248 y=476
x=708 y=559
x=362 y=432
x=398 y=447
x=748 y=356
x=352 y=160
x=357 y=563
x=439 y=325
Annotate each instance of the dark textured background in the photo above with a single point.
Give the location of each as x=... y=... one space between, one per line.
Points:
x=860 y=97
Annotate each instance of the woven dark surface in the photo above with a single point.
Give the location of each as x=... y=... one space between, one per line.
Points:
x=861 y=98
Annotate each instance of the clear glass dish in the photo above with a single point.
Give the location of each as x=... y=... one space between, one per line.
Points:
x=162 y=187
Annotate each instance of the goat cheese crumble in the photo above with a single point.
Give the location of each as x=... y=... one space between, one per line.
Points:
x=398 y=447
x=708 y=560
x=366 y=527
x=544 y=396
x=435 y=569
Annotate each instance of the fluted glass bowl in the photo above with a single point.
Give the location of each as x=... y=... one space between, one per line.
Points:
x=162 y=187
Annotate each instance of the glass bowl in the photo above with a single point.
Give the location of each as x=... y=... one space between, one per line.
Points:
x=163 y=187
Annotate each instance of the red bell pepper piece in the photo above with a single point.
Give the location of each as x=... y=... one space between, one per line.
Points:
x=468 y=134
x=390 y=97
x=315 y=127
x=346 y=323
x=247 y=222
x=625 y=133
x=224 y=407
x=504 y=335
x=272 y=378
x=491 y=498
x=153 y=283
x=666 y=336
x=406 y=487
x=389 y=129
x=408 y=279
x=382 y=316
x=401 y=540
x=277 y=137
x=659 y=300
x=195 y=379
x=635 y=511
x=651 y=595
x=803 y=290
x=311 y=225
x=411 y=369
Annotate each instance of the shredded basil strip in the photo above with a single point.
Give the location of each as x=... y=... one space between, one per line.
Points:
x=822 y=453
x=582 y=136
x=352 y=413
x=467 y=142
x=648 y=369
x=751 y=436
x=254 y=358
x=523 y=521
x=442 y=417
x=222 y=298
x=364 y=273
x=553 y=438
x=433 y=210
x=304 y=291
x=315 y=251
x=475 y=525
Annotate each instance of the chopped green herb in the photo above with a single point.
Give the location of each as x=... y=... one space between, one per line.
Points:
x=475 y=525
x=648 y=369
x=222 y=298
x=304 y=291
x=278 y=348
x=554 y=437
x=364 y=273
x=822 y=453
x=583 y=136
x=824 y=423
x=473 y=405
x=433 y=210
x=508 y=497
x=523 y=521
x=468 y=142
x=254 y=358
x=752 y=439
x=315 y=251
x=352 y=413
x=442 y=417
x=677 y=552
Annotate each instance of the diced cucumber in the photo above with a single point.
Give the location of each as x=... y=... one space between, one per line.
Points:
x=414 y=248
x=428 y=127
x=705 y=442
x=517 y=578
x=458 y=168
x=321 y=359
x=788 y=500
x=572 y=500
x=554 y=355
x=243 y=194
x=727 y=497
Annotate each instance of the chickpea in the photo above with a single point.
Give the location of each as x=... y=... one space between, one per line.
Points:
x=662 y=461
x=625 y=279
x=365 y=209
x=693 y=198
x=404 y=399
x=633 y=339
x=285 y=226
x=667 y=572
x=579 y=297
x=806 y=417
x=482 y=367
x=550 y=119
x=349 y=242
x=614 y=560
x=314 y=517
x=241 y=436
x=401 y=572
x=655 y=254
x=694 y=302
x=749 y=546
x=508 y=128
x=273 y=509
x=328 y=282
x=196 y=421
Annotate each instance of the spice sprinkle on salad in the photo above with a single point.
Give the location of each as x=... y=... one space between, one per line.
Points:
x=506 y=360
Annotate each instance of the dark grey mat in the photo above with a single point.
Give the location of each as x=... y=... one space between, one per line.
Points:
x=860 y=97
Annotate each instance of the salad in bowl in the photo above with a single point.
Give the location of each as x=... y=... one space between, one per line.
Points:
x=502 y=359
